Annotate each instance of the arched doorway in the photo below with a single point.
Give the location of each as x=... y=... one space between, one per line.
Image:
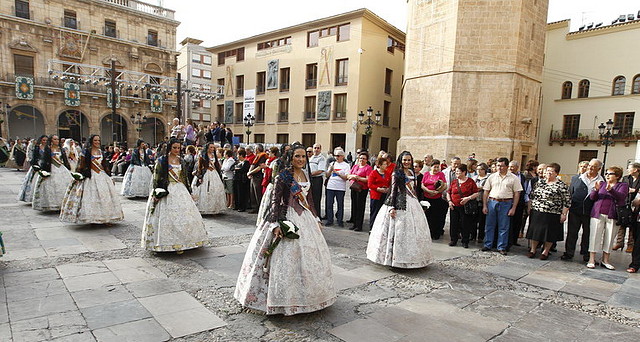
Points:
x=73 y=124
x=113 y=131
x=153 y=131
x=25 y=121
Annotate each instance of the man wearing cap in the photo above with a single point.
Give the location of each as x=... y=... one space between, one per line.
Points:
x=336 y=187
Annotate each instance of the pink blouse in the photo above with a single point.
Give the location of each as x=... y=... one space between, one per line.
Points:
x=361 y=171
x=429 y=180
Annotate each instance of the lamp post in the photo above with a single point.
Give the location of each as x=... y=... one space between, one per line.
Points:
x=249 y=120
x=138 y=119
x=607 y=132
x=369 y=123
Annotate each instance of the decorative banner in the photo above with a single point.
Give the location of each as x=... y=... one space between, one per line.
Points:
x=272 y=74
x=324 y=105
x=249 y=107
x=71 y=94
x=156 y=103
x=117 y=97
x=228 y=112
x=24 y=87
x=326 y=60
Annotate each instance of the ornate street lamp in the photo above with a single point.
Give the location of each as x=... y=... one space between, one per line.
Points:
x=249 y=121
x=139 y=120
x=607 y=133
x=369 y=123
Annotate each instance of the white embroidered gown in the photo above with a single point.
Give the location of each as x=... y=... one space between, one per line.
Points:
x=175 y=223
x=403 y=242
x=209 y=196
x=298 y=277
x=136 y=181
x=49 y=192
x=92 y=200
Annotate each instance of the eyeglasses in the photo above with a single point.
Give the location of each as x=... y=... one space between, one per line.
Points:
x=609 y=174
x=309 y=151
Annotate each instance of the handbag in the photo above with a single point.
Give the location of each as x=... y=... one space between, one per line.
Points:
x=356 y=186
x=471 y=207
x=625 y=215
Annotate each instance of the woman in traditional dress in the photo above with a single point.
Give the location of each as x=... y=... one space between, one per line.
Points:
x=50 y=190
x=172 y=222
x=400 y=235
x=137 y=180
x=17 y=156
x=26 y=190
x=92 y=199
x=208 y=190
x=71 y=151
x=295 y=276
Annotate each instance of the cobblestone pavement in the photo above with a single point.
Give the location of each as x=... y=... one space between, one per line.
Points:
x=94 y=283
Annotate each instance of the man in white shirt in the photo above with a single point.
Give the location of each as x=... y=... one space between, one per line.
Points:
x=317 y=167
x=450 y=172
x=336 y=187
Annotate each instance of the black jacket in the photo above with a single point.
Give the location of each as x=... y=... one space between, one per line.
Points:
x=580 y=201
x=45 y=160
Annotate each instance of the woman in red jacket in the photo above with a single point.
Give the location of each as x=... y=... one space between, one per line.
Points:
x=379 y=182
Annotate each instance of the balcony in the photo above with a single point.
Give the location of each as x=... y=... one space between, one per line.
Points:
x=311 y=83
x=283 y=116
x=260 y=89
x=339 y=116
x=586 y=136
x=144 y=7
x=309 y=116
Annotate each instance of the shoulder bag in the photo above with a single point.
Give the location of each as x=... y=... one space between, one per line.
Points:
x=471 y=207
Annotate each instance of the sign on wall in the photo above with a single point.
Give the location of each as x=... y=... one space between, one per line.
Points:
x=249 y=107
x=228 y=112
x=156 y=103
x=24 y=87
x=72 y=94
x=117 y=97
x=324 y=105
x=272 y=74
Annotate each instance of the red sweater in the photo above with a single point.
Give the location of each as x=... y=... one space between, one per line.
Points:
x=469 y=188
x=375 y=181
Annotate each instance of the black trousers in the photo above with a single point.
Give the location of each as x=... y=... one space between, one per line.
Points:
x=256 y=190
x=316 y=193
x=635 y=256
x=516 y=223
x=478 y=230
x=461 y=224
x=353 y=206
x=241 y=194
x=374 y=208
x=577 y=221
x=436 y=216
x=359 y=203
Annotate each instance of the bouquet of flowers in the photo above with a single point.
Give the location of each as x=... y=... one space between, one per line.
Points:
x=44 y=174
x=289 y=231
x=157 y=194
x=77 y=176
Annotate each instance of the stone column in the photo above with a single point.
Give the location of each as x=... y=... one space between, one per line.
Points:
x=473 y=76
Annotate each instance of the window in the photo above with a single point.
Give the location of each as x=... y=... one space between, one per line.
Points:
x=384 y=144
x=282 y=138
x=205 y=103
x=110 y=28
x=365 y=141
x=583 y=89
x=220 y=87
x=570 y=126
x=386 y=111
x=239 y=112
x=342 y=71
x=388 y=76
x=587 y=155
x=206 y=59
x=308 y=139
x=195 y=72
x=238 y=53
x=258 y=138
x=23 y=65
x=260 y=111
x=283 y=110
x=70 y=20
x=240 y=85
x=624 y=121
x=309 y=108
x=22 y=9
x=618 y=86
x=566 y=90
x=284 y=79
x=206 y=74
x=343 y=32
x=220 y=113
x=392 y=44
x=312 y=38
x=152 y=38
x=340 y=107
x=261 y=79
x=195 y=58
x=274 y=43
x=311 y=81
x=635 y=89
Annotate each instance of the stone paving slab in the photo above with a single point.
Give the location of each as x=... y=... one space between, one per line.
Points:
x=90 y=281
x=365 y=329
x=169 y=303
x=23 y=254
x=5 y=332
x=106 y=315
x=133 y=269
x=48 y=327
x=66 y=250
x=152 y=287
x=83 y=268
x=84 y=336
x=146 y=330
x=101 y=243
x=4 y=313
x=554 y=323
x=38 y=307
x=510 y=270
x=27 y=277
x=591 y=288
x=35 y=290
x=189 y=322
x=100 y=296
x=548 y=279
x=503 y=306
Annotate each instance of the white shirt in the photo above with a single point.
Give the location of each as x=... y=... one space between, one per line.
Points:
x=335 y=182
x=318 y=163
x=590 y=183
x=227 y=168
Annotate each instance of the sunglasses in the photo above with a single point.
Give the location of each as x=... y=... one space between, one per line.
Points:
x=609 y=174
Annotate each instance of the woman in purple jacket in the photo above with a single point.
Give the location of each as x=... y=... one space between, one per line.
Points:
x=607 y=196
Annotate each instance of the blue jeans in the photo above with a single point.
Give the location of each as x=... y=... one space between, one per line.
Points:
x=497 y=215
x=339 y=196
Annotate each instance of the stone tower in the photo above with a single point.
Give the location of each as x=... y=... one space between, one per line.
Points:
x=473 y=75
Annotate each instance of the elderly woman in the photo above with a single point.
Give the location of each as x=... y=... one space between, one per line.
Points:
x=358 y=177
x=433 y=185
x=607 y=196
x=549 y=207
x=481 y=178
x=462 y=190
x=378 y=183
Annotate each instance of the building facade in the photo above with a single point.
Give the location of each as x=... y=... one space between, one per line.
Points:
x=194 y=65
x=473 y=76
x=590 y=76
x=311 y=81
x=55 y=68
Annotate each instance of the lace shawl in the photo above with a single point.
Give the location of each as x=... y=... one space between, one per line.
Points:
x=282 y=198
